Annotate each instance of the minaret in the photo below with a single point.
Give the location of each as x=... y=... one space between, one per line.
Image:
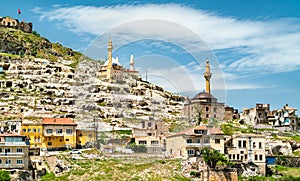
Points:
x=207 y=76
x=131 y=62
x=109 y=64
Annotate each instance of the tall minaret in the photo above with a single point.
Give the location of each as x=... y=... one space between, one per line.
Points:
x=131 y=62
x=109 y=64
x=207 y=76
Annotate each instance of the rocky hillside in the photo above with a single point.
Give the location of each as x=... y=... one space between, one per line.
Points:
x=42 y=79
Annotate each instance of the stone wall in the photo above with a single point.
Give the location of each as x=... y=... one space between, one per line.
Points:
x=14 y=23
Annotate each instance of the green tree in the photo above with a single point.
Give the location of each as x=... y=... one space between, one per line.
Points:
x=4 y=175
x=212 y=157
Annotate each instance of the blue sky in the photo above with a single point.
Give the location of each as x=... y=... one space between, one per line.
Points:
x=252 y=45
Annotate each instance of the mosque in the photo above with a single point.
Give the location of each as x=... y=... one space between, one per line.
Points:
x=204 y=103
x=112 y=70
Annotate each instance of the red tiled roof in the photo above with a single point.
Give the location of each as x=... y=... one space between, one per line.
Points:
x=10 y=134
x=59 y=121
x=215 y=131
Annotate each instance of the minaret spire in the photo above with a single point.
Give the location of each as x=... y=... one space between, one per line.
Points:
x=109 y=63
x=207 y=76
x=132 y=62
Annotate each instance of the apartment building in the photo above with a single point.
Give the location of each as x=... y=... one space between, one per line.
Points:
x=59 y=133
x=189 y=143
x=13 y=151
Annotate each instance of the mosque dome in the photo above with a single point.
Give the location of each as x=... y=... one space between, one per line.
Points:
x=114 y=61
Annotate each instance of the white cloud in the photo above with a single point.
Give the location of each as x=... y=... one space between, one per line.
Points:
x=265 y=46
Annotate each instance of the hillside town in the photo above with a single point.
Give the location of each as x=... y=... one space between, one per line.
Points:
x=48 y=115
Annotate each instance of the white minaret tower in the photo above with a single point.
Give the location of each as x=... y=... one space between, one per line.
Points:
x=131 y=62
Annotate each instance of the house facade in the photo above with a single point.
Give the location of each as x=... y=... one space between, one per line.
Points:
x=59 y=133
x=189 y=143
x=34 y=132
x=247 y=148
x=152 y=136
x=13 y=151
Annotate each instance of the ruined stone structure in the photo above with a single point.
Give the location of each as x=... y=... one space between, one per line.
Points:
x=257 y=115
x=286 y=118
x=14 y=23
x=204 y=104
x=112 y=70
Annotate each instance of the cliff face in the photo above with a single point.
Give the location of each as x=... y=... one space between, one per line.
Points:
x=58 y=82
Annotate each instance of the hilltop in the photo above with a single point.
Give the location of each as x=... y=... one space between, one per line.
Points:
x=44 y=79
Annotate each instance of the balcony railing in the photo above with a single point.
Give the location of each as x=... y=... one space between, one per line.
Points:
x=6 y=166
x=12 y=154
x=197 y=144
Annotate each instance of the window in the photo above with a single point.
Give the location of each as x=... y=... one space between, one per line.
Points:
x=24 y=130
x=49 y=131
x=0 y=161
x=7 y=150
x=39 y=139
x=69 y=131
x=207 y=116
x=240 y=144
x=237 y=156
x=49 y=143
x=60 y=140
x=255 y=157
x=0 y=150
x=149 y=134
x=67 y=139
x=58 y=131
x=244 y=143
x=217 y=141
x=242 y=152
x=39 y=130
x=260 y=145
x=230 y=156
x=197 y=131
x=149 y=124
x=142 y=142
x=29 y=130
x=19 y=161
x=189 y=141
x=90 y=135
x=198 y=141
x=19 y=150
x=7 y=161
x=233 y=156
x=254 y=145
x=245 y=156
x=190 y=152
x=154 y=142
x=206 y=109
x=34 y=130
x=260 y=157
x=206 y=141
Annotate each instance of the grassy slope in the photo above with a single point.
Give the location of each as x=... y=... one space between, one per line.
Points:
x=16 y=44
x=121 y=169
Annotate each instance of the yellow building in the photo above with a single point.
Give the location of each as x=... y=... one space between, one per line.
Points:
x=34 y=132
x=85 y=138
x=59 y=133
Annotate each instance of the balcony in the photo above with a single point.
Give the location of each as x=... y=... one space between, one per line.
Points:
x=197 y=144
x=10 y=166
x=21 y=154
